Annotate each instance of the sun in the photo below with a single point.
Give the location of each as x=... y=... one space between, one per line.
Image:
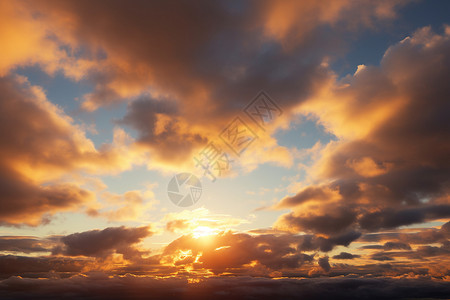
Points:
x=201 y=231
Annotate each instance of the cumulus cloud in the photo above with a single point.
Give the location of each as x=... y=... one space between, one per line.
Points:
x=118 y=287
x=26 y=42
x=346 y=255
x=129 y=206
x=118 y=249
x=324 y=264
x=163 y=130
x=241 y=253
x=332 y=222
x=325 y=244
x=396 y=246
x=390 y=166
x=238 y=253
x=391 y=218
x=43 y=143
x=418 y=236
x=24 y=244
x=111 y=249
x=102 y=243
x=44 y=146
x=279 y=47
x=177 y=64
x=43 y=267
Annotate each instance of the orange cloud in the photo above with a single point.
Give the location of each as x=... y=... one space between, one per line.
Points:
x=41 y=146
x=390 y=166
x=173 y=72
x=290 y=21
x=24 y=40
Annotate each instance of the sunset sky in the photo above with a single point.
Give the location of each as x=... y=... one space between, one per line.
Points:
x=319 y=132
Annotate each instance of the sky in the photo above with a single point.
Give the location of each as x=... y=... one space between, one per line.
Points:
x=227 y=149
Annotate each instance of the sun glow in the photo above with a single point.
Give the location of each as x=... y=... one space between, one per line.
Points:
x=202 y=231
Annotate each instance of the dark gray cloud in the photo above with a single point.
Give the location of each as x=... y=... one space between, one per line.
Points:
x=431 y=251
x=396 y=246
x=80 y=252
x=391 y=218
x=102 y=243
x=346 y=255
x=130 y=287
x=381 y=256
x=333 y=221
x=231 y=252
x=391 y=168
x=421 y=253
x=43 y=144
x=422 y=236
x=229 y=53
x=24 y=244
x=343 y=239
x=24 y=266
x=324 y=263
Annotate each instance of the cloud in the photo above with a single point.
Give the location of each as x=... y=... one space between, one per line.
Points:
x=428 y=247
x=119 y=249
x=390 y=218
x=390 y=166
x=164 y=130
x=102 y=243
x=118 y=287
x=237 y=253
x=113 y=249
x=324 y=264
x=260 y=255
x=429 y=251
x=399 y=246
x=129 y=206
x=419 y=236
x=432 y=255
x=209 y=65
x=23 y=244
x=282 y=20
x=24 y=203
x=445 y=228
x=325 y=244
x=346 y=255
x=44 y=143
x=310 y=193
x=44 y=146
x=333 y=222
x=381 y=256
x=177 y=64
x=40 y=266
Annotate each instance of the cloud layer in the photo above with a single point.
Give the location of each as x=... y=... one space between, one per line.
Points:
x=390 y=167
